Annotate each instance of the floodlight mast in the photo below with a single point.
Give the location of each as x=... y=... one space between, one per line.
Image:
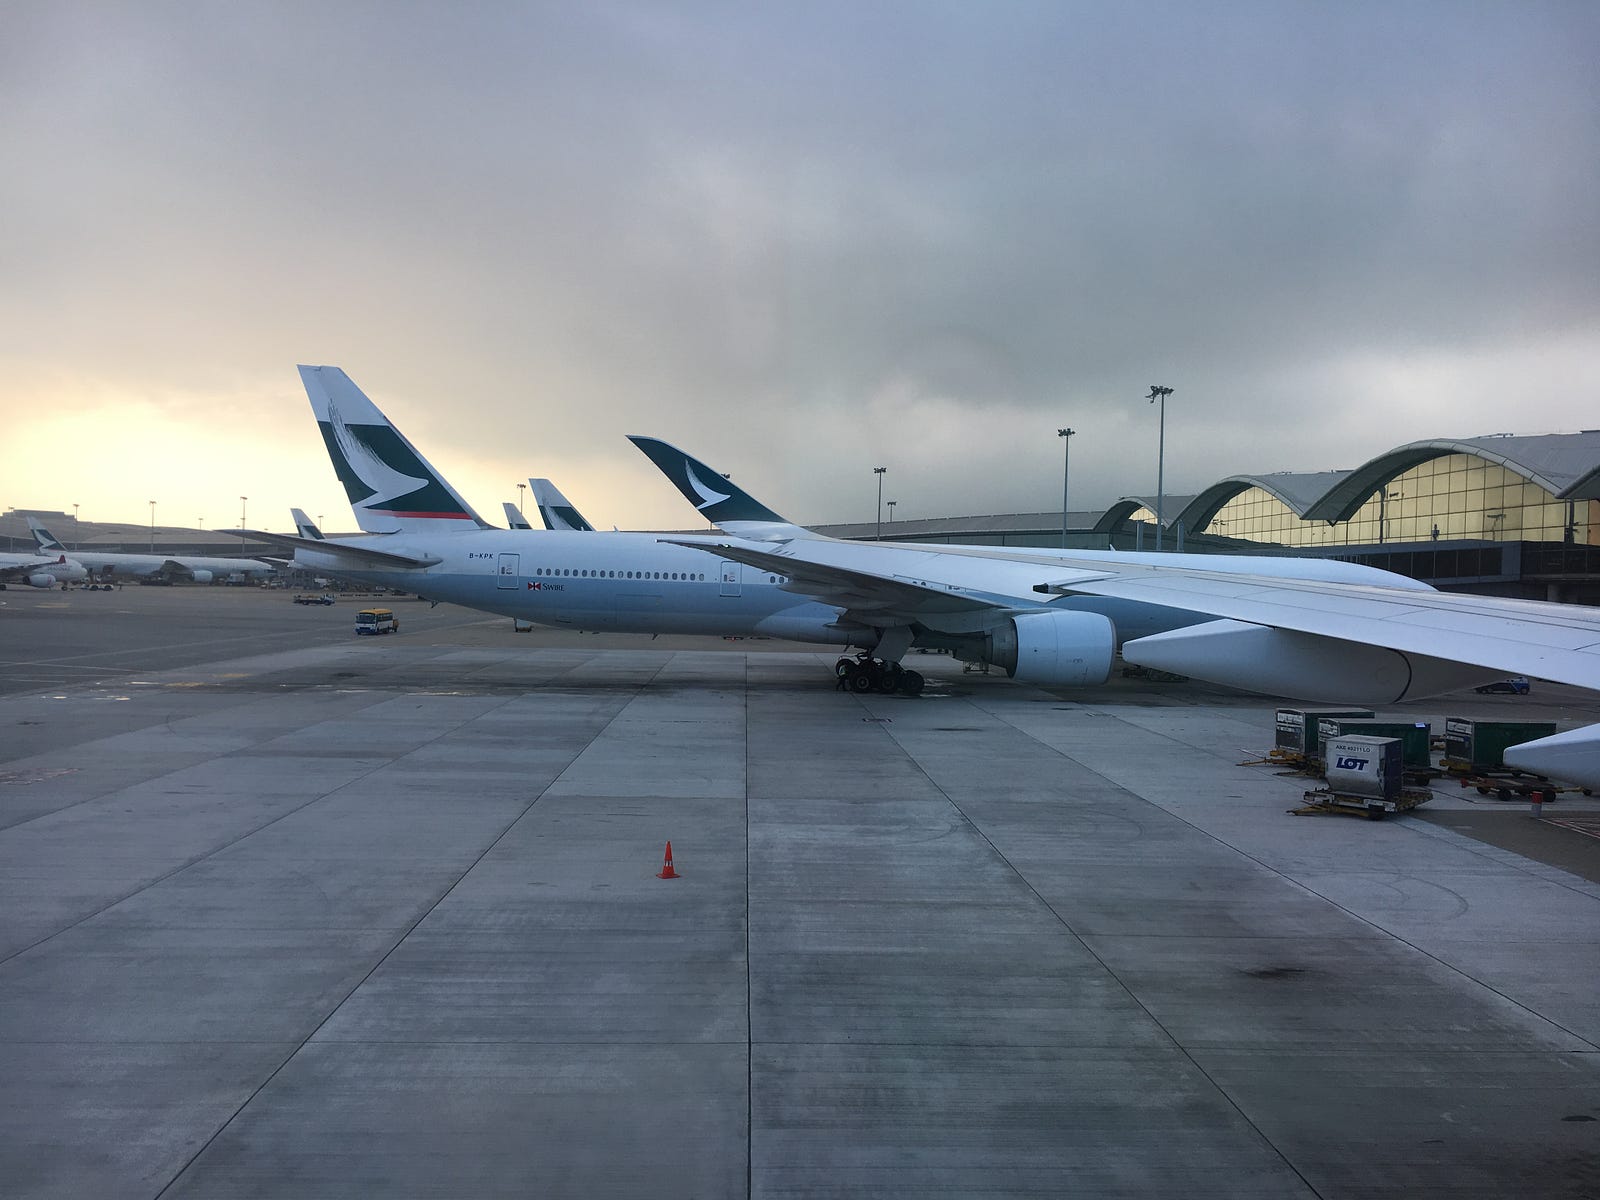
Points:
x=878 y=471
x=1066 y=468
x=1157 y=392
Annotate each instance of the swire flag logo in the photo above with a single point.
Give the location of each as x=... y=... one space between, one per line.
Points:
x=535 y=587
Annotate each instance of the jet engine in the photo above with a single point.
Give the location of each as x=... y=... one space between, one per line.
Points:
x=42 y=580
x=201 y=576
x=1059 y=649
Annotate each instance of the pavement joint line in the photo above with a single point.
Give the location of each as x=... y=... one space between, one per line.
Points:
x=407 y=932
x=1503 y=857
x=749 y=990
x=1133 y=996
x=1309 y=890
x=312 y=641
x=230 y=843
x=66 y=808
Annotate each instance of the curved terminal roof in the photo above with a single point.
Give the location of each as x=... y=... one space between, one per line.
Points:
x=1567 y=465
x=1296 y=492
x=1173 y=508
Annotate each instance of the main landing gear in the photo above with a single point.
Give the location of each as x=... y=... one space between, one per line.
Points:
x=863 y=674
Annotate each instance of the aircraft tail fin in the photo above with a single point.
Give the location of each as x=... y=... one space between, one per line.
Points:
x=514 y=519
x=44 y=539
x=556 y=510
x=715 y=496
x=392 y=488
x=304 y=525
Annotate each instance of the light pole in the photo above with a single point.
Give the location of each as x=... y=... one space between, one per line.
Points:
x=889 y=504
x=200 y=523
x=878 y=471
x=244 y=507
x=152 y=527
x=1157 y=392
x=1066 y=468
x=75 y=534
x=521 y=487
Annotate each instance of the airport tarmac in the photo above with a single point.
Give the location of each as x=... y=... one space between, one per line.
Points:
x=285 y=912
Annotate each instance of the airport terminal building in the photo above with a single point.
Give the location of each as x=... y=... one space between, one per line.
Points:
x=1505 y=515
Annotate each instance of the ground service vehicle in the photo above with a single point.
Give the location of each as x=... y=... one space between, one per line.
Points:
x=376 y=620
x=313 y=598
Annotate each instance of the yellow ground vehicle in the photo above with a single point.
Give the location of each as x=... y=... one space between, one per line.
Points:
x=376 y=620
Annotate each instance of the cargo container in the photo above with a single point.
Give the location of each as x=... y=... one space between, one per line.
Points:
x=1481 y=745
x=1368 y=767
x=1414 y=737
x=1297 y=728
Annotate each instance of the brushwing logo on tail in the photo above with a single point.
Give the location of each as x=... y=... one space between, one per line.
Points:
x=384 y=483
x=708 y=497
x=381 y=473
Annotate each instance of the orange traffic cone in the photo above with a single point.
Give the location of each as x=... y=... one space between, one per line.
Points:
x=666 y=871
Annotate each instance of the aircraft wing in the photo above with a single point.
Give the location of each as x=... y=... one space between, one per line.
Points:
x=20 y=568
x=356 y=557
x=898 y=595
x=1317 y=627
x=1560 y=642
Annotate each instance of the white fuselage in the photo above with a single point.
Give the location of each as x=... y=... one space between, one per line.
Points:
x=636 y=583
x=110 y=564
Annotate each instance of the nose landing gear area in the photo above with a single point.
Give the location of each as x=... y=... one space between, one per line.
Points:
x=864 y=674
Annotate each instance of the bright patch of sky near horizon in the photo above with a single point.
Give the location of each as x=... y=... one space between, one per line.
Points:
x=799 y=241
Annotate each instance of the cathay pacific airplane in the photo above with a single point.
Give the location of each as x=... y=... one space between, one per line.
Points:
x=39 y=570
x=555 y=510
x=104 y=564
x=1312 y=628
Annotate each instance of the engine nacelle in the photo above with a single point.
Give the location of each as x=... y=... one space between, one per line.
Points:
x=42 y=580
x=1307 y=666
x=201 y=576
x=1059 y=649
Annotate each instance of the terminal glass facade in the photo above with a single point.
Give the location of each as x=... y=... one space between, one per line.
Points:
x=1461 y=496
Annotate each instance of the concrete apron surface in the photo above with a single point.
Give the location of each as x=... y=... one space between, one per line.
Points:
x=329 y=924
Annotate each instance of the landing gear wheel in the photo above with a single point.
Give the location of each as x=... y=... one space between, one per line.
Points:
x=888 y=680
x=842 y=667
x=861 y=679
x=911 y=683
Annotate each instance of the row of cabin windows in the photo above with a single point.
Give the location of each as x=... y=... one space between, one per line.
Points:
x=569 y=571
x=681 y=575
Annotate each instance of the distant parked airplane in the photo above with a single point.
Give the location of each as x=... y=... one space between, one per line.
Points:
x=39 y=570
x=105 y=564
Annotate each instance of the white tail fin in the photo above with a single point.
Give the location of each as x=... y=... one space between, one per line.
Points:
x=555 y=509
x=514 y=519
x=304 y=525
x=392 y=488
x=45 y=540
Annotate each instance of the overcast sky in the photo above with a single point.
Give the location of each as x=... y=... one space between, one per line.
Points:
x=801 y=240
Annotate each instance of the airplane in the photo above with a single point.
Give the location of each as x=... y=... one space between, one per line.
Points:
x=105 y=564
x=558 y=512
x=555 y=510
x=304 y=525
x=1305 y=628
x=1318 y=629
x=39 y=570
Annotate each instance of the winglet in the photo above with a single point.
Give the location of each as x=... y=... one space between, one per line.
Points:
x=715 y=496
